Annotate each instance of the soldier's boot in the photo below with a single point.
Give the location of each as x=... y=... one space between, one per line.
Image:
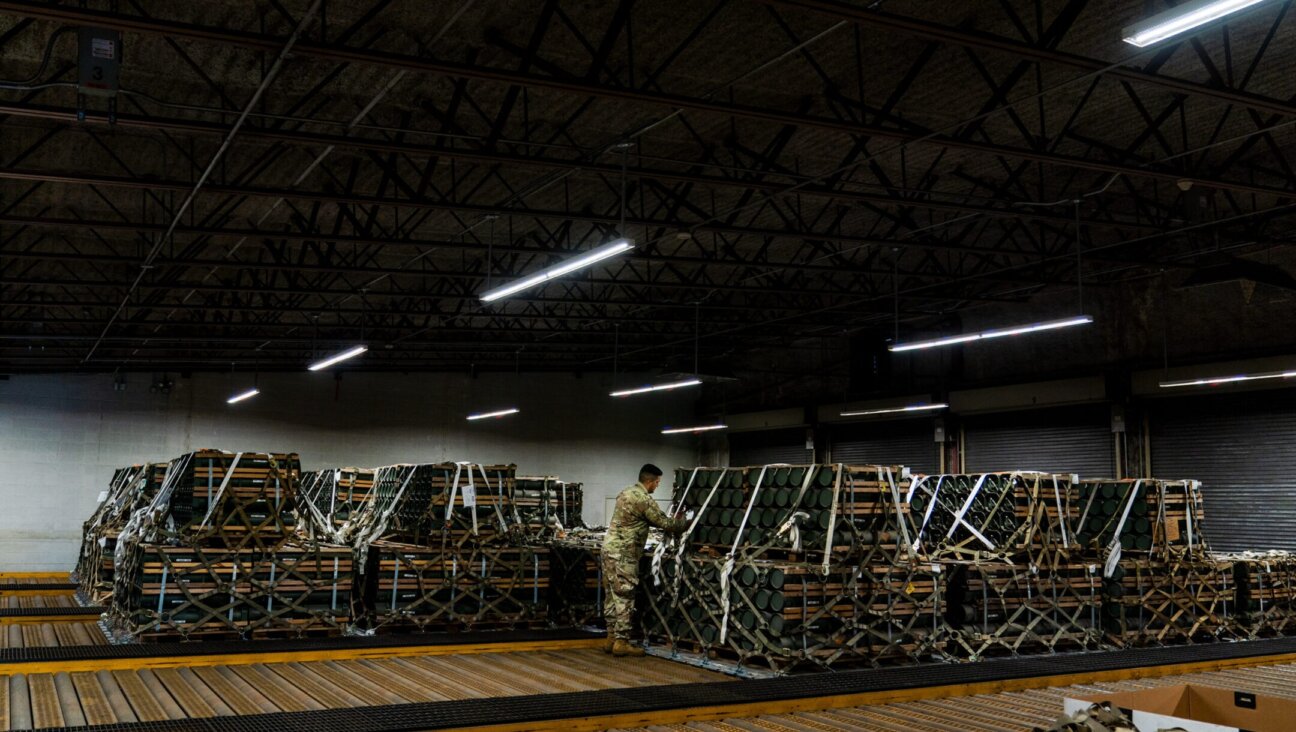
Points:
x=611 y=640
x=625 y=648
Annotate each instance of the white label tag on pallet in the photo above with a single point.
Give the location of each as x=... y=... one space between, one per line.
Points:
x=103 y=496
x=469 y=493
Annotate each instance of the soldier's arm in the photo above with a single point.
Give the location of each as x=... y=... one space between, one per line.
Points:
x=653 y=514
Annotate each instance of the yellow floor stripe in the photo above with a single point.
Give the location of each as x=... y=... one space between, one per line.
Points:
x=336 y=654
x=753 y=709
x=35 y=592
x=61 y=576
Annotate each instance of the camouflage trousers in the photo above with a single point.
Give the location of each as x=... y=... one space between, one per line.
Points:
x=620 y=579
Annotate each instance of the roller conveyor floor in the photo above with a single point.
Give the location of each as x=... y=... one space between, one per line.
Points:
x=13 y=602
x=40 y=700
x=51 y=635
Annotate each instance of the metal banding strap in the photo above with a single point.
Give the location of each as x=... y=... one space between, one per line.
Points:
x=229 y=475
x=727 y=569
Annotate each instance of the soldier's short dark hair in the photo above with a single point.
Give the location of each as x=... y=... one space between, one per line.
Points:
x=648 y=472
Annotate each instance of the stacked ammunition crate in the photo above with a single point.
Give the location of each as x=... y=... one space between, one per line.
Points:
x=130 y=489
x=1265 y=593
x=788 y=566
x=215 y=555
x=576 y=577
x=548 y=505
x=444 y=548
x=1013 y=579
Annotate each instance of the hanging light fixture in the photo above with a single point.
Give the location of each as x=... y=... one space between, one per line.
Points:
x=242 y=396
x=338 y=358
x=996 y=333
x=1217 y=380
x=657 y=387
x=493 y=415
x=1181 y=19
x=606 y=251
x=897 y=410
x=699 y=428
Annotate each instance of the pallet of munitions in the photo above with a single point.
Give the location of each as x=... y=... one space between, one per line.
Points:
x=462 y=503
x=785 y=566
x=167 y=592
x=576 y=578
x=997 y=608
x=1155 y=600
x=130 y=489
x=779 y=615
x=547 y=505
x=1140 y=514
x=232 y=499
x=1264 y=593
x=452 y=587
x=330 y=498
x=215 y=555
x=963 y=517
x=797 y=512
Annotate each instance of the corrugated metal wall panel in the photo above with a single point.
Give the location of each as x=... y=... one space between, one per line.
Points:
x=769 y=446
x=1065 y=440
x=902 y=442
x=1242 y=447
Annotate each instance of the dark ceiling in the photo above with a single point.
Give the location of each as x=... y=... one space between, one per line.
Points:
x=789 y=170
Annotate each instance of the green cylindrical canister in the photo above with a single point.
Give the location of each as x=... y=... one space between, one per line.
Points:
x=796 y=477
x=774 y=579
x=774 y=624
x=827 y=475
x=747 y=576
x=776 y=600
x=1143 y=542
x=761 y=599
x=735 y=479
x=781 y=476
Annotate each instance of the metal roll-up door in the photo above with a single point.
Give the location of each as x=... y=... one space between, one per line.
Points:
x=908 y=442
x=1064 y=440
x=1242 y=447
x=769 y=446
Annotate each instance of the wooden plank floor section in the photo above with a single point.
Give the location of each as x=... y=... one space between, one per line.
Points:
x=1007 y=712
x=51 y=635
x=37 y=701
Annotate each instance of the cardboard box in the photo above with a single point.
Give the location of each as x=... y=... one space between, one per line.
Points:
x=1194 y=708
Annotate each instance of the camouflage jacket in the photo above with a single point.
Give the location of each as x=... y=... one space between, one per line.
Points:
x=635 y=512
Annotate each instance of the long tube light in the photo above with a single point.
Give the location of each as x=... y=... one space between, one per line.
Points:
x=351 y=353
x=492 y=415
x=656 y=387
x=242 y=395
x=594 y=255
x=1182 y=19
x=1217 y=380
x=896 y=410
x=700 y=428
x=996 y=333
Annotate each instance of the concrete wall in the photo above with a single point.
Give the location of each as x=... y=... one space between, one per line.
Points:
x=62 y=435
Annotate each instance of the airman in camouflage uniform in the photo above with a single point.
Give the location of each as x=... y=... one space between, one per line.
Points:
x=622 y=548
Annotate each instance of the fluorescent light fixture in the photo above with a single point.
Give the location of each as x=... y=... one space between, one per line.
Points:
x=1182 y=19
x=241 y=396
x=1217 y=380
x=701 y=428
x=558 y=270
x=996 y=333
x=352 y=353
x=657 y=387
x=491 y=415
x=896 y=410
